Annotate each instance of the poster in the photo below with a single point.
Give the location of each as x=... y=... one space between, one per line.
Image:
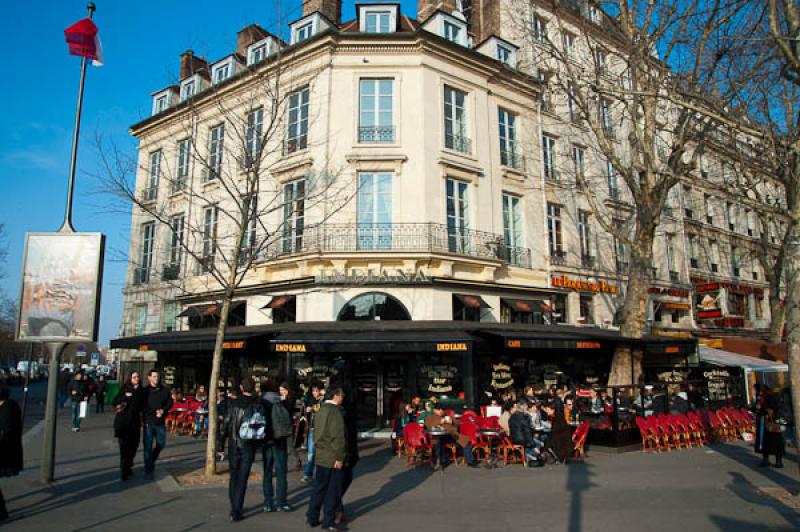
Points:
x=60 y=292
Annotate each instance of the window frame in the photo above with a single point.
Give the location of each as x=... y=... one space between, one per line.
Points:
x=147 y=233
x=555 y=236
x=226 y=66
x=366 y=12
x=177 y=226
x=255 y=48
x=216 y=151
x=459 y=126
x=182 y=168
x=458 y=215
x=299 y=103
x=549 y=157
x=293 y=225
x=374 y=133
x=507 y=125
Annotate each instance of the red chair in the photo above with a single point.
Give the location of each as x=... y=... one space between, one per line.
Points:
x=579 y=441
x=512 y=452
x=417 y=444
x=650 y=438
x=480 y=447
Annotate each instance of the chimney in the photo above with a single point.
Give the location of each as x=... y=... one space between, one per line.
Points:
x=332 y=9
x=191 y=64
x=247 y=36
x=425 y=8
x=486 y=19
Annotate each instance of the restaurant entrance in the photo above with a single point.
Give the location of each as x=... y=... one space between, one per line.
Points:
x=379 y=383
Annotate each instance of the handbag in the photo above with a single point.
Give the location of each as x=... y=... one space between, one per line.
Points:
x=772 y=426
x=84 y=409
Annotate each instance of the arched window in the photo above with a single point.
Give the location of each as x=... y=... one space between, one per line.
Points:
x=373 y=306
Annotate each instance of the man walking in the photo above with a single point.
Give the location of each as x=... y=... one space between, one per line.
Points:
x=246 y=427
x=311 y=404
x=331 y=452
x=157 y=403
x=78 y=393
x=275 y=452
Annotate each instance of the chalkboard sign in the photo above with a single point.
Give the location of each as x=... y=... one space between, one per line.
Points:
x=501 y=376
x=438 y=378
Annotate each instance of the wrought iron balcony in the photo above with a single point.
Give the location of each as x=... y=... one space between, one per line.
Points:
x=512 y=159
x=150 y=193
x=587 y=261
x=295 y=144
x=376 y=134
x=410 y=237
x=558 y=258
x=171 y=272
x=458 y=143
x=141 y=275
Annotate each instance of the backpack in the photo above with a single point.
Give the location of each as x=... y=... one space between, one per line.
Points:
x=281 y=422
x=254 y=423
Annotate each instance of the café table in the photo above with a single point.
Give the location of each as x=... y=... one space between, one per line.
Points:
x=436 y=432
x=493 y=435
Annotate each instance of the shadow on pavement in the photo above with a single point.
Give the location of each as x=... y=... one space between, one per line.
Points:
x=578 y=482
x=127 y=514
x=749 y=493
x=747 y=457
x=392 y=489
x=729 y=524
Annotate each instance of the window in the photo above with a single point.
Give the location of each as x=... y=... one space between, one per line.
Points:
x=373 y=306
x=160 y=103
x=600 y=61
x=255 y=123
x=714 y=256
x=169 y=314
x=177 y=232
x=304 y=32
x=210 y=216
x=140 y=319
x=248 y=243
x=146 y=254
x=286 y=312
x=293 y=215
x=554 y=231
x=188 y=89
x=151 y=192
x=579 y=158
x=512 y=229
x=374 y=211
x=594 y=14
x=559 y=307
x=569 y=44
x=751 y=225
x=504 y=54
x=222 y=71
x=297 y=123
x=709 y=209
x=458 y=240
x=620 y=252
x=184 y=156
x=605 y=117
x=257 y=52
x=467 y=308
x=613 y=181
x=587 y=309
x=688 y=204
x=544 y=96
x=736 y=269
x=216 y=146
x=508 y=139
x=539 y=29
x=375 y=104
x=585 y=238
x=759 y=306
x=573 y=111
x=377 y=21
x=737 y=304
x=694 y=260
x=549 y=158
x=730 y=213
x=452 y=32
x=671 y=265
x=455 y=121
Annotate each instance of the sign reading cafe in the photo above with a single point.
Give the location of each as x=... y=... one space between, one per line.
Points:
x=357 y=277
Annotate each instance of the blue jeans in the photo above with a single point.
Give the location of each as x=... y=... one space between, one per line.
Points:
x=308 y=470
x=76 y=414
x=153 y=433
x=275 y=458
x=240 y=460
x=326 y=492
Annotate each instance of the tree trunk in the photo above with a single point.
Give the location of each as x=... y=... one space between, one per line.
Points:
x=777 y=312
x=213 y=386
x=626 y=366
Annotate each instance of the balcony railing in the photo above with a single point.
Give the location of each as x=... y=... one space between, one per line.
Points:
x=587 y=261
x=141 y=275
x=512 y=159
x=558 y=258
x=674 y=277
x=171 y=272
x=411 y=237
x=622 y=266
x=295 y=144
x=376 y=134
x=150 y=194
x=458 y=143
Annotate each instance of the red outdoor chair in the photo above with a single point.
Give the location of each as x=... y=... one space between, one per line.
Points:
x=650 y=438
x=579 y=441
x=512 y=452
x=480 y=447
x=417 y=444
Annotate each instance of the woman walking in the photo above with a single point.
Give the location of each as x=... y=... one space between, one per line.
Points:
x=10 y=442
x=771 y=441
x=128 y=422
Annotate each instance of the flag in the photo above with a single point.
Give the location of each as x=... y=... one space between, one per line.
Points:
x=84 y=41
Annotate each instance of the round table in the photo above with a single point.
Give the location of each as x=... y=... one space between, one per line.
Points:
x=493 y=435
x=437 y=432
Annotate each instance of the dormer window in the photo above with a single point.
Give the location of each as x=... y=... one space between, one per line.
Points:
x=162 y=100
x=504 y=54
x=377 y=18
x=222 y=70
x=190 y=87
x=258 y=51
x=304 y=32
x=452 y=32
x=499 y=49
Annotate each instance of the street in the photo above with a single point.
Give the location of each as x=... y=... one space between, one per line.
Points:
x=716 y=488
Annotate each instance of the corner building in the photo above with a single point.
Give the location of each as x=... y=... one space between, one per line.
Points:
x=460 y=263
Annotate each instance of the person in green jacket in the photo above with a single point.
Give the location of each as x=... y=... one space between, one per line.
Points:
x=330 y=442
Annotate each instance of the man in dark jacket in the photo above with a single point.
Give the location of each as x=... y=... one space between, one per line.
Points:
x=331 y=452
x=311 y=405
x=351 y=431
x=521 y=433
x=157 y=403
x=128 y=422
x=10 y=441
x=242 y=452
x=78 y=392
x=275 y=452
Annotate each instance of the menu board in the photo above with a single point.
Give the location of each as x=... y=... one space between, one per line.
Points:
x=501 y=376
x=168 y=375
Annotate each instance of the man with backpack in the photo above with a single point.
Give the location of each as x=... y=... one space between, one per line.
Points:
x=275 y=451
x=246 y=427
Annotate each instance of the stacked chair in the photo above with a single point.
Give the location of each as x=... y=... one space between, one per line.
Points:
x=665 y=432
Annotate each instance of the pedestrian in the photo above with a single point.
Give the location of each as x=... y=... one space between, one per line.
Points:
x=771 y=440
x=100 y=394
x=351 y=433
x=311 y=405
x=156 y=403
x=275 y=451
x=246 y=428
x=128 y=422
x=330 y=455
x=77 y=394
x=10 y=441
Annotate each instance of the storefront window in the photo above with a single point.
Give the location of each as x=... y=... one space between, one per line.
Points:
x=465 y=312
x=559 y=304
x=587 y=309
x=373 y=306
x=737 y=304
x=439 y=375
x=518 y=311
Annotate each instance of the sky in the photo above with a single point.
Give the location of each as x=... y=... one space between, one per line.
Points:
x=142 y=42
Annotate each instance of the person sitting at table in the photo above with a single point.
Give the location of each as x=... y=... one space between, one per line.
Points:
x=537 y=417
x=437 y=419
x=530 y=395
x=416 y=405
x=425 y=413
x=559 y=441
x=406 y=416
x=200 y=411
x=506 y=415
x=521 y=433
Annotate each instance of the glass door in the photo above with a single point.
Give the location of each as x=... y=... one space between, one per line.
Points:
x=365 y=373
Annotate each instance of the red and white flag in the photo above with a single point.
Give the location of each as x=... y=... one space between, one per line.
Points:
x=84 y=41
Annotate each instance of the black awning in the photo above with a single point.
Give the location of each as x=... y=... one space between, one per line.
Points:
x=372 y=342
x=526 y=305
x=210 y=309
x=472 y=301
x=279 y=302
x=193 y=340
x=512 y=340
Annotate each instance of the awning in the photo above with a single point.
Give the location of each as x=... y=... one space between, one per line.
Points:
x=525 y=305
x=192 y=340
x=210 y=309
x=718 y=357
x=472 y=301
x=372 y=342
x=279 y=302
x=545 y=340
x=670 y=347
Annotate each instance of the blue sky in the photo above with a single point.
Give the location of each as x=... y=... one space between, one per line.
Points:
x=142 y=42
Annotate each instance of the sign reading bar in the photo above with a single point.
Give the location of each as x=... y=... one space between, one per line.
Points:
x=461 y=346
x=359 y=277
x=587 y=345
x=578 y=285
x=290 y=348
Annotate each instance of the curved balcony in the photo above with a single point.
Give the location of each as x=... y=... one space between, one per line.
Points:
x=411 y=237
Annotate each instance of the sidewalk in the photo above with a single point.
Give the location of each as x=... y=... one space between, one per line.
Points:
x=698 y=489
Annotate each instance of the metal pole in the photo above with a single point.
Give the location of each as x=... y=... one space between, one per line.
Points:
x=47 y=468
x=67 y=225
x=27 y=384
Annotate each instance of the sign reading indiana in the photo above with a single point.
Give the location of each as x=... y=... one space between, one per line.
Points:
x=358 y=276
x=60 y=292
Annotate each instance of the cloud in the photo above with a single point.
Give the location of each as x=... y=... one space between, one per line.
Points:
x=39 y=159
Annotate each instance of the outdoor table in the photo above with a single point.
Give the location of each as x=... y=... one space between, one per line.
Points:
x=181 y=410
x=437 y=432
x=201 y=411
x=493 y=435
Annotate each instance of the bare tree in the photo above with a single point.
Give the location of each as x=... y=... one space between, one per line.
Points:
x=239 y=212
